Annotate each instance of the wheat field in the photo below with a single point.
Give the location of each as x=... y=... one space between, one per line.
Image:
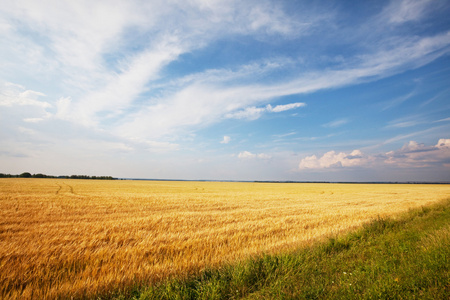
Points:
x=62 y=238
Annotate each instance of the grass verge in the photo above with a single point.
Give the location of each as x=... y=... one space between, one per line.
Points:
x=403 y=258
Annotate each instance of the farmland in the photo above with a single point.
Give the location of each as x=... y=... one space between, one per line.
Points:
x=64 y=238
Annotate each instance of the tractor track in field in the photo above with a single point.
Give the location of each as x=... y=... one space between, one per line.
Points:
x=70 y=188
x=60 y=188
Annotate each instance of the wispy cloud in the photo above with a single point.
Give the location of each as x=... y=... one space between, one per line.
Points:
x=403 y=124
x=336 y=123
x=253 y=113
x=13 y=94
x=94 y=59
x=24 y=104
x=442 y=120
x=249 y=113
x=397 y=101
x=121 y=90
x=439 y=95
x=406 y=122
x=217 y=101
x=110 y=91
x=285 y=134
x=407 y=10
x=280 y=108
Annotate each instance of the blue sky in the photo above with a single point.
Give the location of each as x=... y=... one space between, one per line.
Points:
x=226 y=90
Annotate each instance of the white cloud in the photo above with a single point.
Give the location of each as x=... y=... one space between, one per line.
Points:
x=27 y=131
x=249 y=113
x=226 y=139
x=229 y=76
x=22 y=104
x=332 y=159
x=263 y=156
x=36 y=120
x=82 y=37
x=122 y=89
x=398 y=100
x=407 y=10
x=409 y=121
x=336 y=123
x=403 y=124
x=253 y=113
x=78 y=32
x=247 y=155
x=272 y=20
x=414 y=154
x=63 y=106
x=260 y=18
x=280 y=108
x=192 y=106
x=14 y=94
x=285 y=134
x=406 y=54
x=204 y=104
x=442 y=120
x=109 y=79
x=411 y=155
x=160 y=147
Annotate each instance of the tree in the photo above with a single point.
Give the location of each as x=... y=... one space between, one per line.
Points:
x=25 y=175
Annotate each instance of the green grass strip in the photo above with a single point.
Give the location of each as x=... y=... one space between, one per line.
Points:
x=403 y=258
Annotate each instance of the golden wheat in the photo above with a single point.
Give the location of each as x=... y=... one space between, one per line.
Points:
x=78 y=238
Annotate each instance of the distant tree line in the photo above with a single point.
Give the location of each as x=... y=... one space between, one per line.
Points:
x=40 y=175
x=89 y=177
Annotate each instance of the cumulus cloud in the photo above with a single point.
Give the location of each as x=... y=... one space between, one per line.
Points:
x=411 y=155
x=247 y=154
x=414 y=154
x=332 y=159
x=226 y=140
